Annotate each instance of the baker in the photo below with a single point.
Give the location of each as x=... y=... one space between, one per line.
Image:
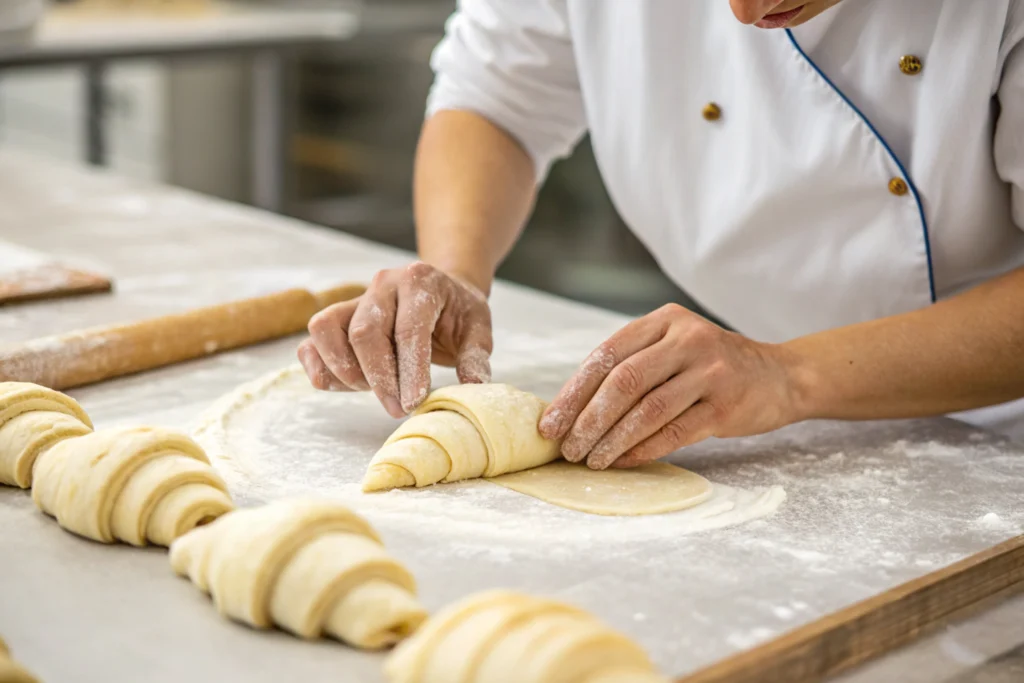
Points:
x=841 y=182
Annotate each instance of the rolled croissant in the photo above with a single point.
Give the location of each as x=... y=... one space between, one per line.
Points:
x=33 y=419
x=310 y=567
x=506 y=637
x=138 y=485
x=463 y=432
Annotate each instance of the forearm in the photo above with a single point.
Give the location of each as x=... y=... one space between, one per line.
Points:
x=962 y=353
x=473 y=191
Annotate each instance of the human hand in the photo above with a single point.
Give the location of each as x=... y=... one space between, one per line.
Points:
x=386 y=339
x=668 y=380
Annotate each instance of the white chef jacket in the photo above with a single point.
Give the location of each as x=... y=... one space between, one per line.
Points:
x=838 y=184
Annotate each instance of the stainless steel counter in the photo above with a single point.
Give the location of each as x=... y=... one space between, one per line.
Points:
x=869 y=505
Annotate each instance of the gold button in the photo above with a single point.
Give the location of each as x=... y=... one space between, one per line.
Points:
x=911 y=65
x=898 y=186
x=712 y=112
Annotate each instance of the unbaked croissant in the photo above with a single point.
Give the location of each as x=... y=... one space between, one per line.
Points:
x=137 y=484
x=462 y=432
x=310 y=567
x=33 y=419
x=506 y=637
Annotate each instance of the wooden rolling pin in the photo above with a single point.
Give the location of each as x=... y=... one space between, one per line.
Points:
x=97 y=354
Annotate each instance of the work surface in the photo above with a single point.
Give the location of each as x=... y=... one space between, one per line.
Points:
x=869 y=506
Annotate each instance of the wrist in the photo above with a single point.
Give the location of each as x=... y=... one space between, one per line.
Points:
x=479 y=284
x=804 y=382
x=475 y=278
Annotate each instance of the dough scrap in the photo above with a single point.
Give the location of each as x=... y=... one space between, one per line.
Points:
x=462 y=432
x=311 y=567
x=134 y=484
x=33 y=419
x=507 y=637
x=650 y=489
x=10 y=671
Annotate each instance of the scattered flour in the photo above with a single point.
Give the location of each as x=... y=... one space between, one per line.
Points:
x=992 y=521
x=276 y=436
x=784 y=613
x=748 y=639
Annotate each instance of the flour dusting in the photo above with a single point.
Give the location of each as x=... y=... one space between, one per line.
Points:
x=276 y=436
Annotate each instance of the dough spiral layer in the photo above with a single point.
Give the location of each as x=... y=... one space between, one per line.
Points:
x=137 y=484
x=463 y=432
x=33 y=419
x=507 y=637
x=310 y=567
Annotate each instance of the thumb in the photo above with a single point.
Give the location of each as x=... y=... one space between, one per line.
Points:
x=473 y=362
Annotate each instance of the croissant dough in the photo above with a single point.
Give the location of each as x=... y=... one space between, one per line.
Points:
x=309 y=566
x=137 y=484
x=462 y=432
x=506 y=637
x=33 y=419
x=650 y=489
x=10 y=672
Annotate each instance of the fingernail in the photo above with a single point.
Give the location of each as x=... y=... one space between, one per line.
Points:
x=393 y=407
x=474 y=366
x=570 y=452
x=601 y=455
x=551 y=425
x=413 y=403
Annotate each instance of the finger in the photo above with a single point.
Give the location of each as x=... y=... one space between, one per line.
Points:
x=473 y=362
x=653 y=412
x=328 y=330
x=418 y=310
x=316 y=370
x=371 y=332
x=622 y=389
x=581 y=387
x=695 y=424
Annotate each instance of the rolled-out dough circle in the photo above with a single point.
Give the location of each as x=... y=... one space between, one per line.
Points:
x=276 y=436
x=650 y=489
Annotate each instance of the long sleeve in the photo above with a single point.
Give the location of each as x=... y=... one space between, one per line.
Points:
x=512 y=62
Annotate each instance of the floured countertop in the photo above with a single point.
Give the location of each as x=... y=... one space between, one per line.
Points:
x=868 y=506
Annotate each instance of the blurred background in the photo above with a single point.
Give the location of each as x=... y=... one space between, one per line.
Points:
x=310 y=108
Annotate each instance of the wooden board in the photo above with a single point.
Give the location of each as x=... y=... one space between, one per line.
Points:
x=877 y=625
x=27 y=275
x=49 y=282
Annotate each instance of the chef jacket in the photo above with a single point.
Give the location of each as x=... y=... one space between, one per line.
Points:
x=862 y=165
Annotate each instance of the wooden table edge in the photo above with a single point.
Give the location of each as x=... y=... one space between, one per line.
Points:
x=877 y=625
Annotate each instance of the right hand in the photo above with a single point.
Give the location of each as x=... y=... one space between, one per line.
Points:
x=386 y=339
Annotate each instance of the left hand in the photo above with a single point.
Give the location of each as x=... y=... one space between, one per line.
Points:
x=668 y=380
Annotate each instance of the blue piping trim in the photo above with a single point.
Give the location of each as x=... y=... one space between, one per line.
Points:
x=888 y=149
